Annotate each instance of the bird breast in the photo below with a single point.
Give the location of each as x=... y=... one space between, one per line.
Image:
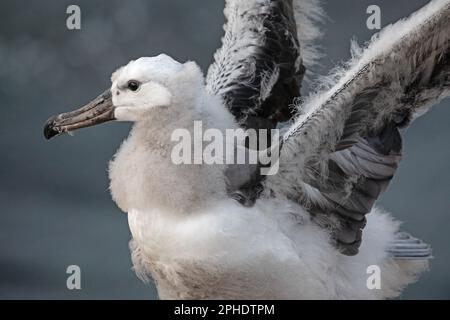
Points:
x=143 y=176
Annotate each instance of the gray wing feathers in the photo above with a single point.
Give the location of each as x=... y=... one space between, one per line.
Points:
x=259 y=69
x=406 y=247
x=345 y=145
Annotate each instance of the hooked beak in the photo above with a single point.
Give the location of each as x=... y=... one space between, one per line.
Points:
x=97 y=111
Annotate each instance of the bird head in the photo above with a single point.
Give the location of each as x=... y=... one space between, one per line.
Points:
x=138 y=89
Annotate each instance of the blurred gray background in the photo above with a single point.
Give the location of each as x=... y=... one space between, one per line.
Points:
x=55 y=209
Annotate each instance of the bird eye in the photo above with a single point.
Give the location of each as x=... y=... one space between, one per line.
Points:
x=133 y=85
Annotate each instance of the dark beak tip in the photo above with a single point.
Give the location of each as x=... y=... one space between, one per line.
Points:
x=97 y=111
x=49 y=128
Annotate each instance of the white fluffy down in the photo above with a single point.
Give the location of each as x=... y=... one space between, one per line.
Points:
x=271 y=251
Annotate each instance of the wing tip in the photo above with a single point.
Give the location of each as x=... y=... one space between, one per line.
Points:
x=407 y=247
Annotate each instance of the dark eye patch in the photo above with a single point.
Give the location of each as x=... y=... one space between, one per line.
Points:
x=133 y=85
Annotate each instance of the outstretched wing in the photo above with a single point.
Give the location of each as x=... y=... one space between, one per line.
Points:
x=259 y=68
x=343 y=150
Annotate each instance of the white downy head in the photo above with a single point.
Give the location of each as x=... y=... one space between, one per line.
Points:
x=151 y=82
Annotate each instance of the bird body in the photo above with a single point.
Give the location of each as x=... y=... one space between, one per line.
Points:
x=197 y=243
x=269 y=251
x=311 y=229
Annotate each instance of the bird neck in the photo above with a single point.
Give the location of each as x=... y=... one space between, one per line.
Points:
x=143 y=175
